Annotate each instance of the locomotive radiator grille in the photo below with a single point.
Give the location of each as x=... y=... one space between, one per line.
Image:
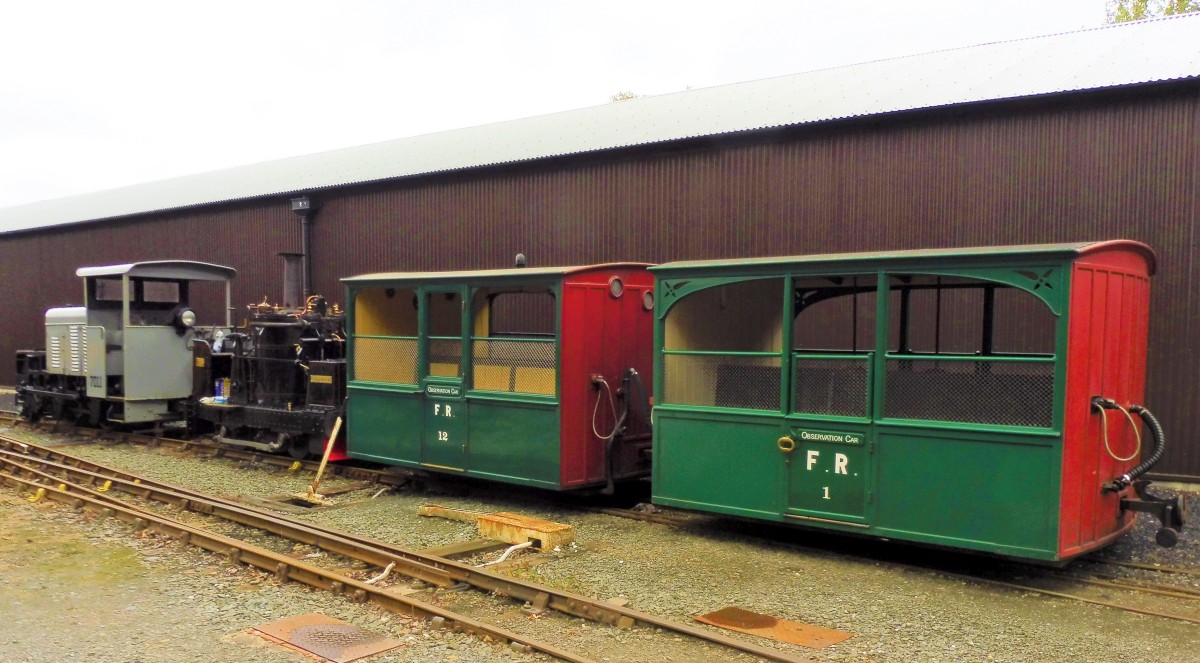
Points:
x=745 y=381
x=78 y=356
x=54 y=361
x=982 y=391
x=528 y=366
x=391 y=360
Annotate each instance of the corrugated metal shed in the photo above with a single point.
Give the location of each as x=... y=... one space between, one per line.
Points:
x=1107 y=57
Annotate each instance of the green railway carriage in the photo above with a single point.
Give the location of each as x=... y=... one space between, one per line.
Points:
x=500 y=374
x=941 y=396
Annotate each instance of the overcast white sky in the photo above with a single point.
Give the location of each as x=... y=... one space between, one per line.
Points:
x=97 y=95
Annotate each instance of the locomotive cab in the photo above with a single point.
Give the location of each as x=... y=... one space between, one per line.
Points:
x=123 y=356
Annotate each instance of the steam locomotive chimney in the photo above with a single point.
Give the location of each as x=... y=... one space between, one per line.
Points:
x=293 y=279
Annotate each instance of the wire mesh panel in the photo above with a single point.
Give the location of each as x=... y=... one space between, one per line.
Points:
x=830 y=386
x=735 y=381
x=392 y=360
x=982 y=391
x=515 y=365
x=445 y=357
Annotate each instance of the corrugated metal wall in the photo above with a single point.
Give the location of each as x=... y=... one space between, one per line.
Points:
x=1068 y=168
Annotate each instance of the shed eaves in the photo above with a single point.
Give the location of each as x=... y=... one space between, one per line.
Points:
x=1106 y=57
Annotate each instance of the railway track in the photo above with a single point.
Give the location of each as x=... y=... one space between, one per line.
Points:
x=1102 y=580
x=78 y=483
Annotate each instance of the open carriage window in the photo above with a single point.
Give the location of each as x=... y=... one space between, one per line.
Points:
x=968 y=350
x=385 y=336
x=833 y=337
x=513 y=346
x=723 y=346
x=445 y=333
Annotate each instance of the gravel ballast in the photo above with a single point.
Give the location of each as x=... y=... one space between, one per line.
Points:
x=897 y=613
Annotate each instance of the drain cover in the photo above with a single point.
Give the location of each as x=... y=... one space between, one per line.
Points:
x=327 y=637
x=744 y=621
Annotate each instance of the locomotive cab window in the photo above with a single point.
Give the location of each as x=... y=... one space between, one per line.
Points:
x=968 y=350
x=385 y=336
x=107 y=290
x=162 y=292
x=833 y=339
x=723 y=346
x=514 y=340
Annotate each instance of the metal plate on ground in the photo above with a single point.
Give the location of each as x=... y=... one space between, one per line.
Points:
x=744 y=621
x=327 y=637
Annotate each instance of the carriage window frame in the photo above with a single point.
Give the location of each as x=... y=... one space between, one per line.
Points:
x=713 y=376
x=997 y=375
x=509 y=363
x=409 y=344
x=834 y=382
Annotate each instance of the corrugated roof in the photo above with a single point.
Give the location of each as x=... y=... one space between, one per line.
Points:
x=1105 y=57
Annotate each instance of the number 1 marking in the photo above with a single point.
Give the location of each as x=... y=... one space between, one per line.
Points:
x=826 y=493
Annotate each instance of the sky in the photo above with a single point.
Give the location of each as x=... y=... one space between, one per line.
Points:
x=99 y=95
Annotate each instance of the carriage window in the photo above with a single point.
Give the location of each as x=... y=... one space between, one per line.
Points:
x=513 y=345
x=723 y=346
x=445 y=333
x=968 y=350
x=833 y=336
x=385 y=336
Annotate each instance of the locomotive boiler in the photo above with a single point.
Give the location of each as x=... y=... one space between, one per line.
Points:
x=276 y=383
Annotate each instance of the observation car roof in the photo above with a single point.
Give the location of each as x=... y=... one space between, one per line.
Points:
x=510 y=274
x=163 y=269
x=917 y=256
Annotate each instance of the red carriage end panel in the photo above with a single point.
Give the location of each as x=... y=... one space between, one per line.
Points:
x=1106 y=346
x=607 y=328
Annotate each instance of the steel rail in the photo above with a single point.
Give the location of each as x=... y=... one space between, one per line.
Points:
x=1166 y=590
x=1131 y=584
x=1145 y=567
x=195 y=502
x=601 y=611
x=539 y=596
x=391 y=476
x=285 y=568
x=1075 y=597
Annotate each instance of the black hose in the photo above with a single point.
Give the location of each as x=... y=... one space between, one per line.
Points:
x=1156 y=429
x=1159 y=445
x=642 y=401
x=610 y=485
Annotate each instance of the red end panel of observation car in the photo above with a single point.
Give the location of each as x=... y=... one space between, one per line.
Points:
x=603 y=335
x=1106 y=356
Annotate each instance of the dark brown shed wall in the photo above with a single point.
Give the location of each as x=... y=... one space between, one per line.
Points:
x=1059 y=169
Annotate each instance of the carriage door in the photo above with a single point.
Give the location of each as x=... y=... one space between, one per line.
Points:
x=826 y=443
x=444 y=438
